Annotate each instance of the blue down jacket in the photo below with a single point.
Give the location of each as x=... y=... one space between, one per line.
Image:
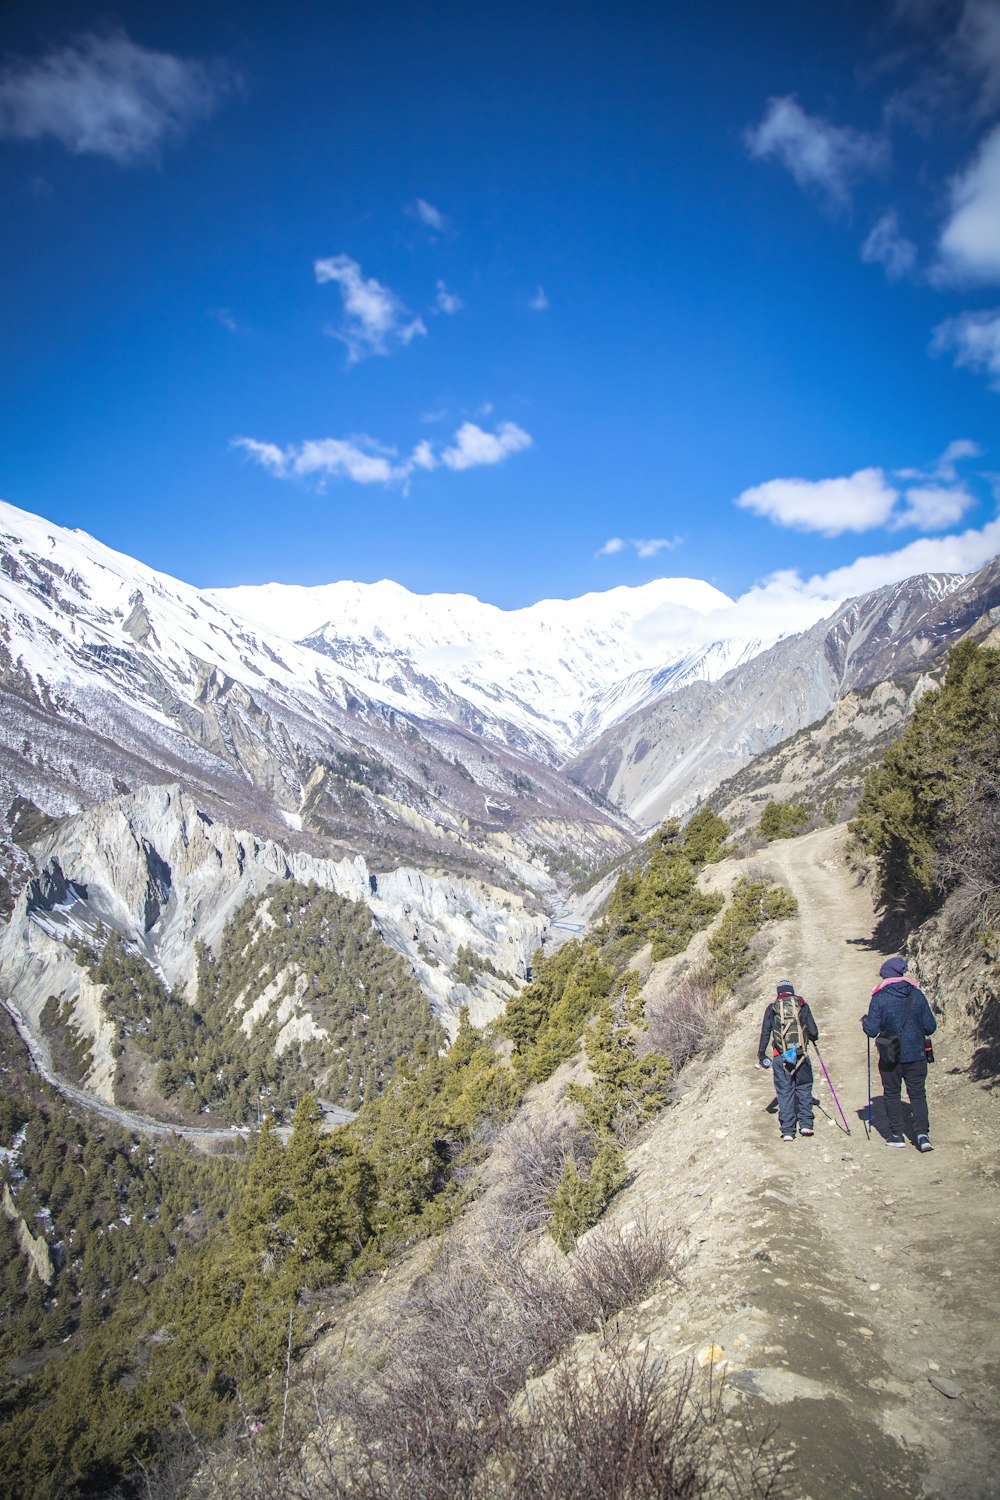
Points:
x=887 y=1009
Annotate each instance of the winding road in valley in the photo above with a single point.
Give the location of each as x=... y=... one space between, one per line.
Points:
x=41 y=1056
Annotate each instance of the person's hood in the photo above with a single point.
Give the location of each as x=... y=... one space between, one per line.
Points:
x=902 y=988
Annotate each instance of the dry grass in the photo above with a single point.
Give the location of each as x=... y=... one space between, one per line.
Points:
x=686 y=1023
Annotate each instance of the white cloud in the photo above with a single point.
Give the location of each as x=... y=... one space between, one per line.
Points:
x=642 y=546
x=963 y=553
x=108 y=96
x=818 y=154
x=359 y=459
x=539 y=302
x=375 y=320
x=857 y=502
x=975 y=339
x=969 y=247
x=932 y=507
x=958 y=449
x=364 y=461
x=474 y=447
x=786 y=602
x=430 y=216
x=976 y=49
x=447 y=301
x=886 y=246
x=422 y=456
x=270 y=457
x=929 y=499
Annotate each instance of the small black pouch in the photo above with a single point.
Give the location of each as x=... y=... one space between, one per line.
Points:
x=887 y=1047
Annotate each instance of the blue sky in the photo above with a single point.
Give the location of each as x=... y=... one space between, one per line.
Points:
x=515 y=300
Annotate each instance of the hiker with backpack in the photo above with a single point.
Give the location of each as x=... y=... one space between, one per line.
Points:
x=900 y=1020
x=789 y=1026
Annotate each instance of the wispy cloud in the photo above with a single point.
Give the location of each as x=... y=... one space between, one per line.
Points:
x=448 y=302
x=964 y=552
x=473 y=446
x=223 y=316
x=365 y=461
x=975 y=339
x=925 y=499
x=963 y=74
x=360 y=459
x=641 y=546
x=375 y=319
x=106 y=95
x=818 y=154
x=429 y=216
x=539 y=302
x=786 y=601
x=886 y=246
x=969 y=247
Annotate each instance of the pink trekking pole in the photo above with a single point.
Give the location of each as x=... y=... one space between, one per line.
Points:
x=833 y=1091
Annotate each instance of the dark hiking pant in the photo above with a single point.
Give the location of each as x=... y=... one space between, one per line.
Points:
x=795 y=1095
x=915 y=1075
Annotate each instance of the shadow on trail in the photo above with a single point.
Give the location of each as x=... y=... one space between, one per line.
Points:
x=985 y=1064
x=880 y=1124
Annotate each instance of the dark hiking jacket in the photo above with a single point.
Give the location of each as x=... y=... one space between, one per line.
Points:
x=808 y=1026
x=886 y=1011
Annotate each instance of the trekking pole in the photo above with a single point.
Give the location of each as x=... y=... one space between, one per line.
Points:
x=868 y=1123
x=833 y=1091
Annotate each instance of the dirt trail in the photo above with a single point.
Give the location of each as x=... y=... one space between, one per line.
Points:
x=838 y=1276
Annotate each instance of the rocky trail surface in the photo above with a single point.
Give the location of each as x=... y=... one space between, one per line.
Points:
x=850 y=1293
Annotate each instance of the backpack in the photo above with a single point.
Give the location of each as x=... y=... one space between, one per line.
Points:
x=787 y=1035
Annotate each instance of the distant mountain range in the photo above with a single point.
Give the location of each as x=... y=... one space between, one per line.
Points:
x=521 y=746
x=550 y=677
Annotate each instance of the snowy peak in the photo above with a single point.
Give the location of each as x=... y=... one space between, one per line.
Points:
x=562 y=668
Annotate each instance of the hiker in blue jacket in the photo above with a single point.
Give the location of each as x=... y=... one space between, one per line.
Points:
x=898 y=1010
x=789 y=1027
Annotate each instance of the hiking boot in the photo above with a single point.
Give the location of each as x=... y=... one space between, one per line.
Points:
x=807 y=1130
x=895 y=1140
x=787 y=1137
x=924 y=1143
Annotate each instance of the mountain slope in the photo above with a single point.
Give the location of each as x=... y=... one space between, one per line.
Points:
x=664 y=758
x=113 y=676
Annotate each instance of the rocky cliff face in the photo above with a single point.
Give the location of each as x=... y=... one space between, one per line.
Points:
x=665 y=758
x=154 y=867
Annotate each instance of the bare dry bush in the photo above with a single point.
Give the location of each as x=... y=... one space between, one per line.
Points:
x=615 y=1267
x=530 y=1163
x=626 y=1430
x=442 y=1416
x=686 y=1022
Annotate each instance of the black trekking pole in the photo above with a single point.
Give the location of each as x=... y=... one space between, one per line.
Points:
x=833 y=1091
x=868 y=1124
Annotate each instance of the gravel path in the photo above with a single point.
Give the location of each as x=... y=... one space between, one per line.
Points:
x=853 y=1290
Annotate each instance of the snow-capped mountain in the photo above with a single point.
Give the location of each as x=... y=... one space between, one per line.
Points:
x=561 y=671
x=661 y=759
x=113 y=676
